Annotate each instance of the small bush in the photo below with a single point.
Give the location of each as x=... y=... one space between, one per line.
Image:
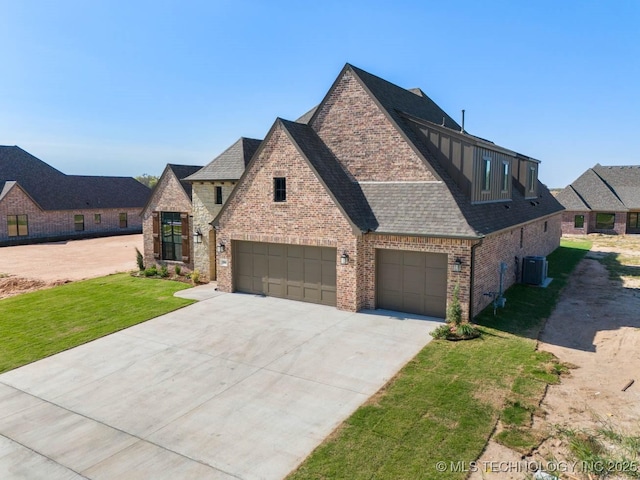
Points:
x=152 y=271
x=195 y=276
x=139 y=260
x=467 y=330
x=164 y=271
x=443 y=331
x=178 y=270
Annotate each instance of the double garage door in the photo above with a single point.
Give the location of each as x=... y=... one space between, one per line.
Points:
x=413 y=282
x=296 y=272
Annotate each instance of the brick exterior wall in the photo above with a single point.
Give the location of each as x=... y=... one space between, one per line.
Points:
x=363 y=138
x=168 y=196
x=46 y=225
x=205 y=210
x=454 y=248
x=308 y=217
x=568 y=223
x=505 y=247
x=590 y=218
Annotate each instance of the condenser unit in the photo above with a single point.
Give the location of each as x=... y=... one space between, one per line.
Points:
x=534 y=270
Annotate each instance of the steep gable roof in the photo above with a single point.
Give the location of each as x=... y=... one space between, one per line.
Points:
x=230 y=164
x=53 y=190
x=183 y=171
x=595 y=193
x=624 y=181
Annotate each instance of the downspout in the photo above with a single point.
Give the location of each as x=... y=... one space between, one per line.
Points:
x=471 y=273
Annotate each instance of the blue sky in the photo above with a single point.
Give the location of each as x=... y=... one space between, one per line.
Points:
x=124 y=87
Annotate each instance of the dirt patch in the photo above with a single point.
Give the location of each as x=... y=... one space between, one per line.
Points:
x=596 y=327
x=26 y=268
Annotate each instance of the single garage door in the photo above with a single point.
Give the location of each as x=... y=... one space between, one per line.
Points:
x=413 y=282
x=296 y=272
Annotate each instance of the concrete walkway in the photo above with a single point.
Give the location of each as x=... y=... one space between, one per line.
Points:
x=235 y=386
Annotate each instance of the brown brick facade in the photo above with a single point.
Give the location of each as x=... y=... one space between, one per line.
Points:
x=505 y=247
x=590 y=225
x=45 y=225
x=363 y=138
x=168 y=196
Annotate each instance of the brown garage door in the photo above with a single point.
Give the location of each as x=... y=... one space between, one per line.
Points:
x=413 y=282
x=296 y=272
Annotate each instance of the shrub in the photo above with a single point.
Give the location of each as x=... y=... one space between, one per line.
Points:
x=443 y=331
x=139 y=260
x=164 y=271
x=152 y=271
x=454 y=310
x=467 y=330
x=195 y=276
x=177 y=269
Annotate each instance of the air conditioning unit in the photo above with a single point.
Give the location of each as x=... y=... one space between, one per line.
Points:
x=534 y=270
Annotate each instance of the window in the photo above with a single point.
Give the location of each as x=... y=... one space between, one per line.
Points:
x=218 y=195
x=171 y=236
x=578 y=221
x=17 y=225
x=486 y=175
x=78 y=221
x=633 y=220
x=97 y=218
x=605 y=221
x=279 y=189
x=505 y=176
x=123 y=220
x=521 y=237
x=532 y=179
x=546 y=225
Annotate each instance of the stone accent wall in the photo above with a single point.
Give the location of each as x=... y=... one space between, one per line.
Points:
x=454 y=248
x=308 y=217
x=205 y=210
x=168 y=196
x=363 y=138
x=45 y=225
x=505 y=247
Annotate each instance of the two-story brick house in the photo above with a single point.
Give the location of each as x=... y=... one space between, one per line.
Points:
x=380 y=200
x=39 y=203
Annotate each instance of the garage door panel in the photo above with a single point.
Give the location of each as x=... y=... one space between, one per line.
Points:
x=414 y=282
x=289 y=271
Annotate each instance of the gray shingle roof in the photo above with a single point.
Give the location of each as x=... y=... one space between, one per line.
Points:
x=347 y=193
x=230 y=164
x=53 y=190
x=570 y=199
x=307 y=116
x=595 y=193
x=624 y=181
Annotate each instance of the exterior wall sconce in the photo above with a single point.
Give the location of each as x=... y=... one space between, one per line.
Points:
x=344 y=259
x=457 y=265
x=197 y=236
x=220 y=248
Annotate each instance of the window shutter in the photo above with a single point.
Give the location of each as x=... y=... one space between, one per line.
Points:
x=156 y=234
x=185 y=237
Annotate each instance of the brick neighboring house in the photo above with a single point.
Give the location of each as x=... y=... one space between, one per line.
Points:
x=604 y=199
x=166 y=219
x=39 y=203
x=379 y=200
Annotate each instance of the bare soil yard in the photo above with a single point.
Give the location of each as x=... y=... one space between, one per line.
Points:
x=595 y=329
x=31 y=267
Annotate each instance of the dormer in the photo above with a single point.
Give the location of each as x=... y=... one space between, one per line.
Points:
x=527 y=176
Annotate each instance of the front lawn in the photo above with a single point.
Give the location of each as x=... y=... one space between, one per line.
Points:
x=444 y=404
x=36 y=325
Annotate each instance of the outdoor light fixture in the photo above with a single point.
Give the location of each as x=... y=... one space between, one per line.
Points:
x=198 y=235
x=344 y=259
x=220 y=248
x=457 y=265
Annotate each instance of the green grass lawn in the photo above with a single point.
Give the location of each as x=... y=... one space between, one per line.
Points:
x=444 y=404
x=36 y=325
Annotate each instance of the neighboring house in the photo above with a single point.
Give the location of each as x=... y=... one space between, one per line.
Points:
x=212 y=185
x=166 y=219
x=603 y=199
x=39 y=203
x=380 y=200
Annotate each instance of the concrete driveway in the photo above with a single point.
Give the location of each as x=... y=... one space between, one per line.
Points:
x=235 y=386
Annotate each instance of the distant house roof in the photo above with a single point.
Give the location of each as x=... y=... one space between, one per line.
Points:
x=53 y=190
x=604 y=188
x=230 y=164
